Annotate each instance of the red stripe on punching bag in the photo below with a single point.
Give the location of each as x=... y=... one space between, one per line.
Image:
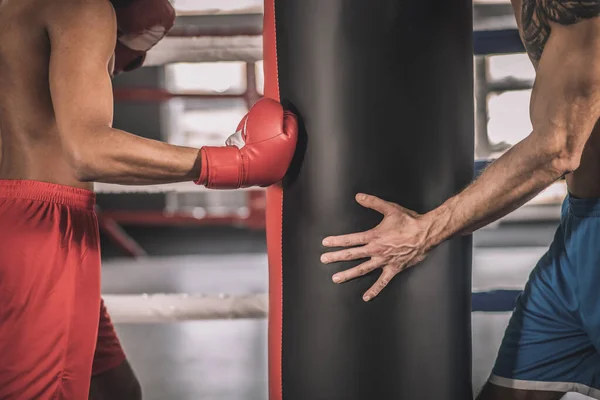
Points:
x=274 y=218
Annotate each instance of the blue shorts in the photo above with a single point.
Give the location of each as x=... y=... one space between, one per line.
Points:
x=552 y=342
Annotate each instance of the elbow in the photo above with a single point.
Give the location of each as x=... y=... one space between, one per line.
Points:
x=81 y=158
x=566 y=163
x=565 y=155
x=569 y=134
x=83 y=168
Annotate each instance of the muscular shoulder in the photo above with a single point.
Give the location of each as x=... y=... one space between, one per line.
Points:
x=567 y=12
x=66 y=15
x=538 y=17
x=82 y=24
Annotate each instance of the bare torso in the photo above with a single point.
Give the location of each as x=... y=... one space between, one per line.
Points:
x=585 y=181
x=29 y=142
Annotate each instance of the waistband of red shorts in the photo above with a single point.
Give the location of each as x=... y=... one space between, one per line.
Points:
x=47 y=192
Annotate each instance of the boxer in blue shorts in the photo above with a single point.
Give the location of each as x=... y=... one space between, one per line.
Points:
x=552 y=343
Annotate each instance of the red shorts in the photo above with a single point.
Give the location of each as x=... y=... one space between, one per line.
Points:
x=109 y=353
x=50 y=293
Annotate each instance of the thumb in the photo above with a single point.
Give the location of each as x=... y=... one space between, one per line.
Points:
x=375 y=203
x=290 y=125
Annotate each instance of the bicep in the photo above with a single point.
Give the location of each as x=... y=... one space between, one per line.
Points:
x=565 y=100
x=81 y=46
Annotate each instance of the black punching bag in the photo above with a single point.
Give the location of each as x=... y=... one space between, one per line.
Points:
x=383 y=90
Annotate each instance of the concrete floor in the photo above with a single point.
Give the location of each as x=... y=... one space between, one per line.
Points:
x=199 y=360
x=227 y=360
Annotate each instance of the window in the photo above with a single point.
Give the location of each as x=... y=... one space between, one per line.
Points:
x=207 y=119
x=211 y=127
x=508 y=116
x=260 y=78
x=516 y=66
x=197 y=7
x=208 y=78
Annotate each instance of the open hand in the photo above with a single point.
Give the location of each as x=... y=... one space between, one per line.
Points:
x=398 y=242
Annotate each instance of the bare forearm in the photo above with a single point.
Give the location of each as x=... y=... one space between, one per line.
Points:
x=515 y=178
x=114 y=156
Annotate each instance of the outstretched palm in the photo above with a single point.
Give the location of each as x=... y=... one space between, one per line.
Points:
x=396 y=243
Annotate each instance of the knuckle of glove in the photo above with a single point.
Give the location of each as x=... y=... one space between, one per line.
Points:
x=275 y=129
x=263 y=121
x=127 y=59
x=145 y=40
x=142 y=24
x=134 y=16
x=268 y=147
x=290 y=126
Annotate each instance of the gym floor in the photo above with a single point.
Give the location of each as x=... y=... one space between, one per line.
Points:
x=227 y=359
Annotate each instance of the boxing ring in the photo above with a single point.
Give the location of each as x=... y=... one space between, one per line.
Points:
x=188 y=42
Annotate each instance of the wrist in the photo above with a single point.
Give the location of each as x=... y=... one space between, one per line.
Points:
x=437 y=224
x=200 y=171
x=222 y=167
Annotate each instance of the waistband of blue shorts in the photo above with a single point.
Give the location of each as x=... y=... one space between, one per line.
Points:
x=584 y=207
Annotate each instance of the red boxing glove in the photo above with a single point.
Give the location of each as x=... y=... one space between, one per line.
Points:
x=258 y=154
x=142 y=24
x=127 y=59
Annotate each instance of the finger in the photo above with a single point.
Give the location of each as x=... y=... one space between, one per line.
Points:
x=384 y=279
x=359 y=270
x=352 y=239
x=375 y=203
x=345 y=255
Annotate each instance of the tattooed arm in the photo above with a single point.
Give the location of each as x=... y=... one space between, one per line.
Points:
x=563 y=40
x=536 y=18
x=565 y=105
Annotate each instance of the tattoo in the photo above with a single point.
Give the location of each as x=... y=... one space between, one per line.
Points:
x=536 y=16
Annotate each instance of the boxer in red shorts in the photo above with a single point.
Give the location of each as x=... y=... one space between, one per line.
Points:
x=49 y=284
x=56 y=138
